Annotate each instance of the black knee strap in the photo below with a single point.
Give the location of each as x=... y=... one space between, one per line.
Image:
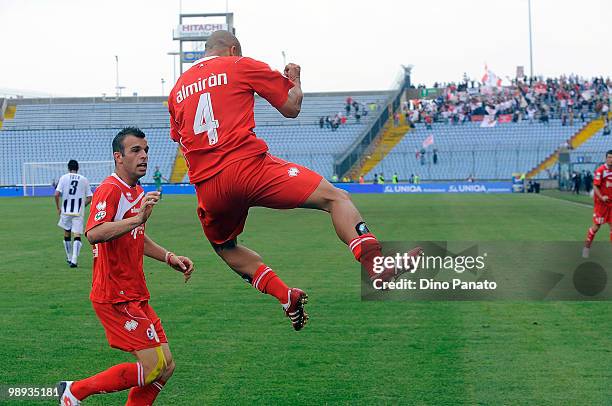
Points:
x=245 y=278
x=66 y=238
x=362 y=228
x=229 y=245
x=226 y=245
x=77 y=238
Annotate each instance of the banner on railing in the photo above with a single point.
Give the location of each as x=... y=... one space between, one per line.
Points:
x=442 y=187
x=399 y=188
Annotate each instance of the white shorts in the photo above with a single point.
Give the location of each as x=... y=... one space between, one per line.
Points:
x=71 y=223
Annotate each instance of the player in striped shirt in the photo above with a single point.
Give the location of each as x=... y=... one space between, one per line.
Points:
x=72 y=194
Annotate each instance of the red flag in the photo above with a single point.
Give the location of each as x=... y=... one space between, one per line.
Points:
x=504 y=118
x=428 y=141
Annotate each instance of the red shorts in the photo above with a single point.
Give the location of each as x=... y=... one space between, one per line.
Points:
x=130 y=326
x=602 y=213
x=264 y=180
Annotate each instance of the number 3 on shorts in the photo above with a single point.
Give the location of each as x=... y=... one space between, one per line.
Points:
x=205 y=119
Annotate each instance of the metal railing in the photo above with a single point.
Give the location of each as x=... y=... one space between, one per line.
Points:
x=345 y=161
x=460 y=164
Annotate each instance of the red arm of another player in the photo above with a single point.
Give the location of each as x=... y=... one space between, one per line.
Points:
x=180 y=263
x=293 y=105
x=112 y=230
x=282 y=92
x=599 y=195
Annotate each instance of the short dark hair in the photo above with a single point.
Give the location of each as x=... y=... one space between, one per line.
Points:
x=73 y=165
x=609 y=152
x=118 y=140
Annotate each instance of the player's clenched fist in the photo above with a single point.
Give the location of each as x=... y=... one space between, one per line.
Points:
x=292 y=71
x=146 y=206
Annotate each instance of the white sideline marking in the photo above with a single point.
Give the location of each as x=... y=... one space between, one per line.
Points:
x=588 y=206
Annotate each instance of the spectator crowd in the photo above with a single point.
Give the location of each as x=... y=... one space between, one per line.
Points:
x=567 y=98
x=352 y=108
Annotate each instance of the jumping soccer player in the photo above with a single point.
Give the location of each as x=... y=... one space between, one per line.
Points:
x=75 y=194
x=119 y=294
x=211 y=117
x=602 y=199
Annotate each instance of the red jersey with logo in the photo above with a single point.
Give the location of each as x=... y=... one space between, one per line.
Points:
x=211 y=111
x=117 y=265
x=602 y=178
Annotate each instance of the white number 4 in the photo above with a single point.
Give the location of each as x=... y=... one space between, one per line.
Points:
x=205 y=119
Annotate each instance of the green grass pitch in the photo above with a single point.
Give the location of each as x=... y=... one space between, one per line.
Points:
x=233 y=345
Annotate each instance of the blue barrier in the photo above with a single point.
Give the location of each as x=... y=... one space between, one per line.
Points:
x=447 y=187
x=11 y=191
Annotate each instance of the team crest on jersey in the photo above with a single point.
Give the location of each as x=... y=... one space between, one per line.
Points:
x=130 y=325
x=152 y=334
x=128 y=195
x=293 y=171
x=101 y=206
x=100 y=215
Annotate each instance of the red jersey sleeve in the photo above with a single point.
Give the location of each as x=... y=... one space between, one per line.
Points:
x=103 y=205
x=269 y=84
x=174 y=128
x=597 y=177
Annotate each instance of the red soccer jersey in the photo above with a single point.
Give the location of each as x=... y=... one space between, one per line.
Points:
x=117 y=264
x=211 y=111
x=603 y=180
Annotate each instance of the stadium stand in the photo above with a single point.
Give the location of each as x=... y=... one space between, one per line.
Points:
x=60 y=129
x=593 y=149
x=83 y=129
x=19 y=146
x=540 y=116
x=466 y=150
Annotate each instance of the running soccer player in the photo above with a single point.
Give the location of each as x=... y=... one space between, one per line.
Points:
x=211 y=117
x=119 y=294
x=75 y=194
x=602 y=199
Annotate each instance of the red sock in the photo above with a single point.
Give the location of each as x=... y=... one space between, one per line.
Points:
x=114 y=379
x=266 y=281
x=365 y=247
x=590 y=237
x=145 y=396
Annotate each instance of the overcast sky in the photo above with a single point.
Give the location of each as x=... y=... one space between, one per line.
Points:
x=68 y=47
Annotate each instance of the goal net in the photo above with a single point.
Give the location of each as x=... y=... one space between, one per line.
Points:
x=40 y=177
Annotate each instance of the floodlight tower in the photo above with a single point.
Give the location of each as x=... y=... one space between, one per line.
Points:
x=117 y=87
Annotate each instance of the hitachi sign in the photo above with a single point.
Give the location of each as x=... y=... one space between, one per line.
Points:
x=201 y=27
x=197 y=30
